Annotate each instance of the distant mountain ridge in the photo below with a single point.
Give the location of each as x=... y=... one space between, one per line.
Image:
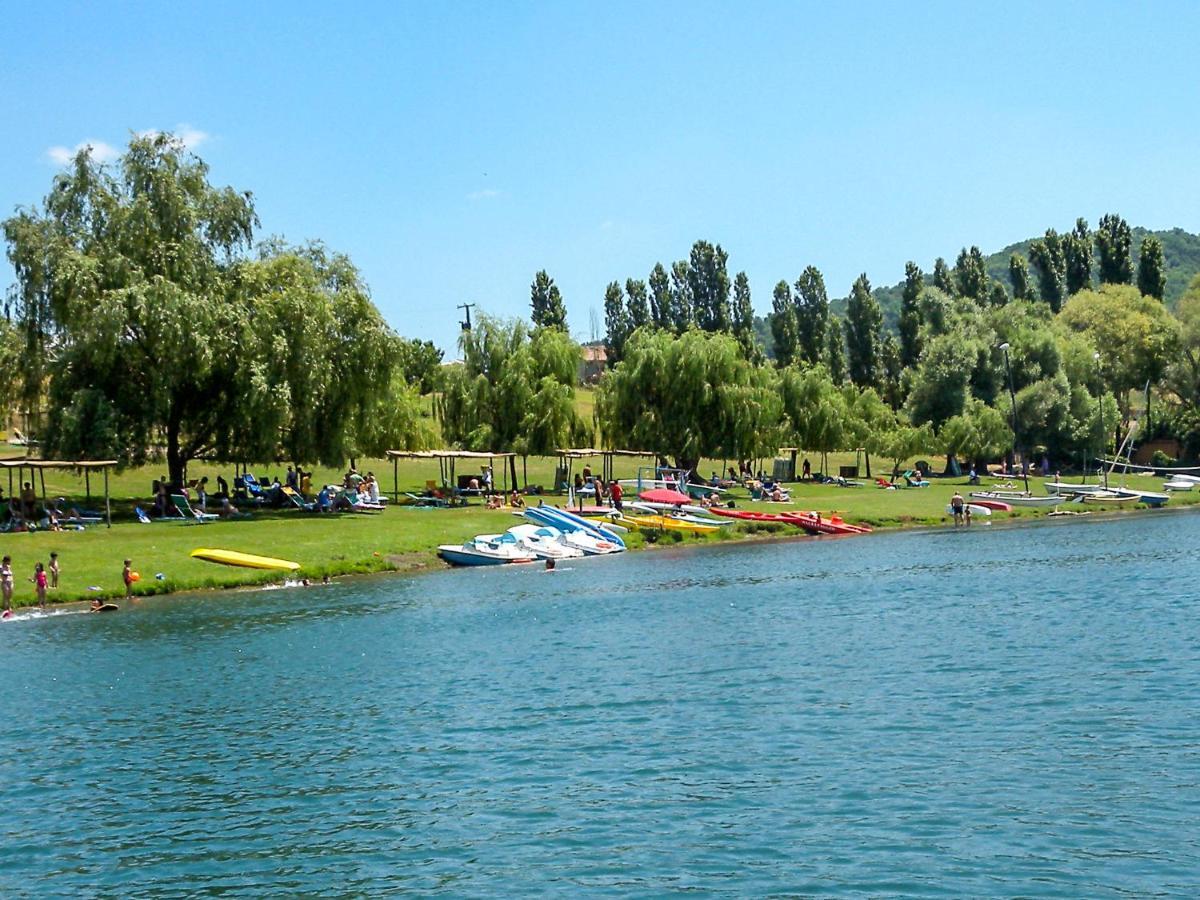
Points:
x=1181 y=250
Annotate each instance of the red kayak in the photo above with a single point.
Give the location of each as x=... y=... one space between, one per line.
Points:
x=810 y=522
x=997 y=505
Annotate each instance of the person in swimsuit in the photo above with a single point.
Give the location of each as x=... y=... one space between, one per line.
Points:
x=956 y=507
x=6 y=583
x=127 y=576
x=39 y=584
x=54 y=570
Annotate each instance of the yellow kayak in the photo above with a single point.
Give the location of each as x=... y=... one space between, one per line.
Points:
x=666 y=523
x=248 y=560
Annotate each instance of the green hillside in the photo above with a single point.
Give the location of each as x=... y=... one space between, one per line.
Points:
x=1180 y=248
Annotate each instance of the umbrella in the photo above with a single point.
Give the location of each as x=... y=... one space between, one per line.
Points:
x=664 y=495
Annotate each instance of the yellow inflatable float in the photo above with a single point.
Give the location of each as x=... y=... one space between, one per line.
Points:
x=247 y=560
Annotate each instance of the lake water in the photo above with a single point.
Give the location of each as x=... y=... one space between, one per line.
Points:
x=1004 y=711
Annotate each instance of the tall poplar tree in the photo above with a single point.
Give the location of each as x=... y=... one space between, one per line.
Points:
x=864 y=326
x=783 y=325
x=1018 y=277
x=639 y=307
x=683 y=314
x=1046 y=254
x=910 y=315
x=970 y=275
x=708 y=286
x=1151 y=274
x=835 y=352
x=1077 y=254
x=660 y=298
x=743 y=317
x=943 y=280
x=616 y=322
x=547 y=303
x=812 y=315
x=1114 y=242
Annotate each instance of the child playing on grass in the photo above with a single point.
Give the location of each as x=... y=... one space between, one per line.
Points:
x=127 y=576
x=54 y=570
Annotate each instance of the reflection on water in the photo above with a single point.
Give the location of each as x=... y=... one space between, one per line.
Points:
x=993 y=712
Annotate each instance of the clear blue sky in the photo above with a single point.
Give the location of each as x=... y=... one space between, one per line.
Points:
x=454 y=149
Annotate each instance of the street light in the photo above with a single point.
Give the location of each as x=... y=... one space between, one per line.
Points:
x=1012 y=394
x=1099 y=409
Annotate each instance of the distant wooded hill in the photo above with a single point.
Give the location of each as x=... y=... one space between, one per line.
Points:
x=1180 y=248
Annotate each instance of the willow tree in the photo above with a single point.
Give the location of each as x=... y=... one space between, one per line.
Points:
x=147 y=323
x=689 y=397
x=514 y=392
x=815 y=416
x=977 y=434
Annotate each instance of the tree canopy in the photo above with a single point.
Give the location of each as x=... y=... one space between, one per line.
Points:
x=147 y=323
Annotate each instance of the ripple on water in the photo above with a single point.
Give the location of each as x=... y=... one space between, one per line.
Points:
x=1000 y=712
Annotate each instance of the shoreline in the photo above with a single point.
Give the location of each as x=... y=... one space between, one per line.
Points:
x=411 y=565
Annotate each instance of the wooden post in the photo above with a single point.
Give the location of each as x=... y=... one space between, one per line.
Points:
x=395 y=479
x=87 y=484
x=107 y=507
x=42 y=475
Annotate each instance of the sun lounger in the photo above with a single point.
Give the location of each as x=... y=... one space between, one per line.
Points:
x=297 y=501
x=420 y=501
x=189 y=514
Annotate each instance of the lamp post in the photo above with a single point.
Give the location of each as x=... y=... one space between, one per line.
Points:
x=1099 y=408
x=1012 y=395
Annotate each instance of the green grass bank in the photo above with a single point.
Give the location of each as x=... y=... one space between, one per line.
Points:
x=400 y=539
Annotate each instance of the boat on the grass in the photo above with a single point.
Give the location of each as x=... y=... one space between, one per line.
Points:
x=1066 y=487
x=567 y=522
x=812 y=522
x=1175 y=484
x=1018 y=498
x=1109 y=497
x=654 y=509
x=977 y=509
x=1152 y=499
x=651 y=522
x=484 y=553
x=997 y=505
x=540 y=540
x=593 y=540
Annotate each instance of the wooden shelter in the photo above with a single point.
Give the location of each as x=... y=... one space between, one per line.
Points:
x=447 y=460
x=40 y=466
x=566 y=459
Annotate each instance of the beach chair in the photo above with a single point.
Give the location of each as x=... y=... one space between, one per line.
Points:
x=916 y=482
x=426 y=501
x=297 y=501
x=189 y=514
x=142 y=517
x=253 y=489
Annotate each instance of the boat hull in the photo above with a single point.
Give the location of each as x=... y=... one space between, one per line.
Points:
x=473 y=556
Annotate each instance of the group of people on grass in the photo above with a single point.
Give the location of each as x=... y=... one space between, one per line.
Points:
x=21 y=513
x=355 y=490
x=44 y=577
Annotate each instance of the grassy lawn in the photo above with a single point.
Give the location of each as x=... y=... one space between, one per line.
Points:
x=399 y=539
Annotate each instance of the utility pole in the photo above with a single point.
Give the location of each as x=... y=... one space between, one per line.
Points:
x=466 y=326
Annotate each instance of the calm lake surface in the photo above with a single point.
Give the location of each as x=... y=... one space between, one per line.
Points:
x=1004 y=711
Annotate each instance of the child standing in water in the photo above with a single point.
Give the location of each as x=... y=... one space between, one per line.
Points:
x=127 y=575
x=6 y=583
x=39 y=583
x=54 y=570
